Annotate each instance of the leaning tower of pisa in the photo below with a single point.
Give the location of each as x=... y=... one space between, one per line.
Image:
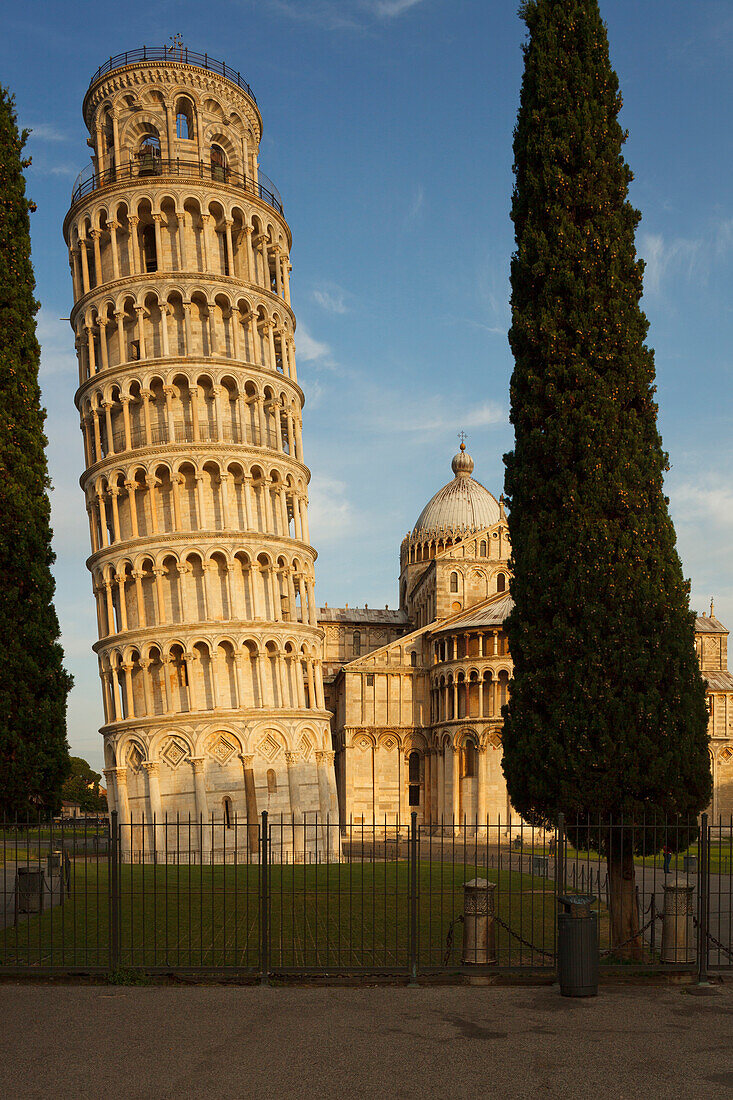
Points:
x=196 y=489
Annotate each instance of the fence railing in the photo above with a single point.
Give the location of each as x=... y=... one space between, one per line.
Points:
x=173 y=53
x=147 y=166
x=270 y=896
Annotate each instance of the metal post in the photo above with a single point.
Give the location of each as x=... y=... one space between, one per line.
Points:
x=413 y=899
x=114 y=894
x=264 y=902
x=560 y=855
x=703 y=901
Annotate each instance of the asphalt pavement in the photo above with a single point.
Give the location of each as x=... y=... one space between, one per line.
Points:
x=650 y=1040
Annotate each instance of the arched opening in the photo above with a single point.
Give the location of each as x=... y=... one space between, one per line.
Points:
x=148 y=155
x=500 y=582
x=468 y=760
x=454 y=582
x=469 y=779
x=150 y=253
x=218 y=163
x=184 y=120
x=271 y=781
x=356 y=640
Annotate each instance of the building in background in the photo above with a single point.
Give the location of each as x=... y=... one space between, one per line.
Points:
x=195 y=484
x=416 y=694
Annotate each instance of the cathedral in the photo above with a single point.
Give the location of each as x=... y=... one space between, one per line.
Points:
x=226 y=690
x=416 y=694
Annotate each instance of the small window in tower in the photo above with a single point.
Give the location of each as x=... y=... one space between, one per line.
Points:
x=413 y=659
x=228 y=813
x=482 y=551
x=454 y=582
x=500 y=582
x=357 y=643
x=271 y=782
x=370 y=680
x=218 y=163
x=184 y=120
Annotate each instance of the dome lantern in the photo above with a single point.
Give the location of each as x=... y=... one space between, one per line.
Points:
x=463 y=504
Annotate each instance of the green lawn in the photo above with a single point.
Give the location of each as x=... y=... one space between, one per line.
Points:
x=350 y=915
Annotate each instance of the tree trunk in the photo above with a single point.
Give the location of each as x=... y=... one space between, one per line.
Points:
x=625 y=939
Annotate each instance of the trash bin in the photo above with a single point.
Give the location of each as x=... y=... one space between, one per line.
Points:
x=540 y=866
x=577 y=946
x=689 y=864
x=30 y=883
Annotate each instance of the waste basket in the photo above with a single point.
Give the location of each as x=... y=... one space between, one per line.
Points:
x=577 y=946
x=30 y=883
x=689 y=865
x=540 y=866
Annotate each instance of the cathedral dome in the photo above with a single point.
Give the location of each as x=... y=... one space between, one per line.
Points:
x=463 y=503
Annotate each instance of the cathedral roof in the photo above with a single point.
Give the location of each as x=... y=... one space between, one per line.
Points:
x=385 y=616
x=708 y=624
x=718 y=681
x=491 y=612
x=462 y=504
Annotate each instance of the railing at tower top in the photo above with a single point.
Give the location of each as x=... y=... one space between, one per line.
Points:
x=148 y=166
x=180 y=54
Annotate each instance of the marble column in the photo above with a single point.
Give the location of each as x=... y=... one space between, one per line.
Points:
x=292 y=759
x=202 y=810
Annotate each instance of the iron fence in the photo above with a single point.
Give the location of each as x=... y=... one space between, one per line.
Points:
x=276 y=897
x=175 y=53
x=150 y=165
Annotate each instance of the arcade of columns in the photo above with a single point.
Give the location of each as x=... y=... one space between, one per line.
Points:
x=196 y=490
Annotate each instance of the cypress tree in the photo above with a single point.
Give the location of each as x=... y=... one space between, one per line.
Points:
x=607 y=715
x=34 y=757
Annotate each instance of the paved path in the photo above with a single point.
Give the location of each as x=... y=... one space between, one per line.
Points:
x=633 y=1041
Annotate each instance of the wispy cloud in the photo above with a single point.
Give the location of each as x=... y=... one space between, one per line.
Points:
x=45 y=131
x=334 y=15
x=330 y=513
x=663 y=257
x=437 y=416
x=712 y=37
x=692 y=258
x=707 y=500
x=311 y=350
x=331 y=298
x=701 y=504
x=387 y=9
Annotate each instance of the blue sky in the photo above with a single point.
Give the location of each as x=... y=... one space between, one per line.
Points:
x=388 y=129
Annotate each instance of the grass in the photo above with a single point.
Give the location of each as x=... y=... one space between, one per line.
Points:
x=350 y=916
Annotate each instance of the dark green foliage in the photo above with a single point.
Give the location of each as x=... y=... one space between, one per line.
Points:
x=607 y=713
x=82 y=786
x=33 y=683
